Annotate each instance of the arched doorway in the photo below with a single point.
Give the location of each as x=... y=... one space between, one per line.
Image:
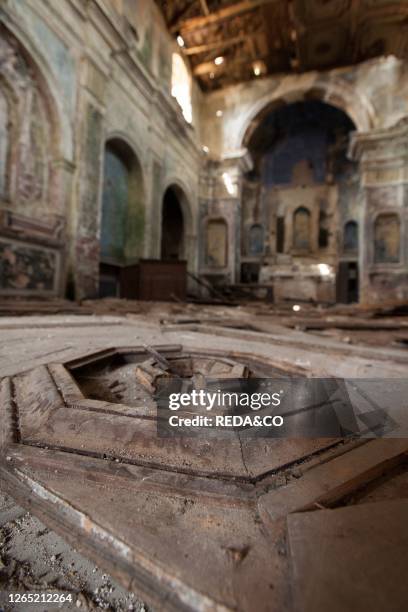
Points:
x=122 y=218
x=301 y=190
x=173 y=225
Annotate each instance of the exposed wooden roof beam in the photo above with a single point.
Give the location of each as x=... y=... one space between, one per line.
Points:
x=179 y=15
x=228 y=65
x=206 y=68
x=222 y=44
x=226 y=13
x=204 y=7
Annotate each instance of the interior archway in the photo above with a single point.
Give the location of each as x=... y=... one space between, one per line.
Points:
x=301 y=187
x=173 y=225
x=122 y=216
x=360 y=111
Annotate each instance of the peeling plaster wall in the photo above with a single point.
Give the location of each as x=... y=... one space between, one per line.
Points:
x=300 y=160
x=106 y=68
x=375 y=97
x=101 y=70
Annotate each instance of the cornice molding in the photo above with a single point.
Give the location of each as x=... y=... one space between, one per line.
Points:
x=363 y=143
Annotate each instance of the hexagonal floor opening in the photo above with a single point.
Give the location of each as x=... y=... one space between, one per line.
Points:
x=127 y=376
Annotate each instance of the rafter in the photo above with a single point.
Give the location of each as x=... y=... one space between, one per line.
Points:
x=226 y=13
x=207 y=68
x=204 y=7
x=227 y=66
x=222 y=44
x=180 y=14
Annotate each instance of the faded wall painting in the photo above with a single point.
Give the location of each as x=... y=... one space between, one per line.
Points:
x=25 y=129
x=302 y=143
x=217 y=244
x=387 y=238
x=114 y=206
x=122 y=225
x=27 y=268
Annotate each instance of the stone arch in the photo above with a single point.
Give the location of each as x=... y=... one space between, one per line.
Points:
x=62 y=143
x=256 y=236
x=185 y=200
x=339 y=95
x=350 y=236
x=133 y=149
x=173 y=231
x=122 y=221
x=35 y=125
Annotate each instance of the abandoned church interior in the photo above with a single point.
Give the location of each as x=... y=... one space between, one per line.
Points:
x=202 y=190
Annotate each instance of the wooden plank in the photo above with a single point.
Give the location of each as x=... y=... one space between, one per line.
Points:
x=311 y=342
x=225 y=13
x=214 y=46
x=38 y=401
x=265 y=455
x=95 y=356
x=53 y=413
x=352 y=558
x=46 y=421
x=204 y=7
x=179 y=552
x=352 y=324
x=111 y=474
x=335 y=479
x=65 y=383
x=148 y=410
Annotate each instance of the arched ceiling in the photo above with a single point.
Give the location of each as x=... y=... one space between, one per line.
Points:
x=306 y=119
x=283 y=36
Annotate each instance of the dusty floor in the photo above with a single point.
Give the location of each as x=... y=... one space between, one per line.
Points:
x=343 y=342
x=34 y=559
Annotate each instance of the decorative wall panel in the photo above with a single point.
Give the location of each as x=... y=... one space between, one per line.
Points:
x=26 y=268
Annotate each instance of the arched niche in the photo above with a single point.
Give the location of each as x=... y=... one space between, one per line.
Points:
x=350 y=237
x=173 y=239
x=256 y=239
x=216 y=243
x=387 y=238
x=123 y=210
x=301 y=229
x=299 y=154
